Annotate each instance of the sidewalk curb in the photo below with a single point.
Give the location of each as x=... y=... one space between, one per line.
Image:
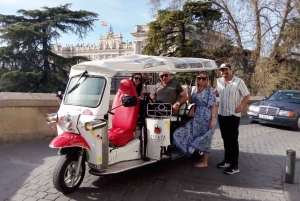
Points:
x=292 y=191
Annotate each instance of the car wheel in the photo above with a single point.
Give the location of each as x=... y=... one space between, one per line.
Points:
x=252 y=121
x=296 y=127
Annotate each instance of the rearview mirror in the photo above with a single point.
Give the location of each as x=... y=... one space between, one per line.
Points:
x=264 y=98
x=128 y=101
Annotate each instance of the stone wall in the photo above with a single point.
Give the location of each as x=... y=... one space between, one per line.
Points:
x=22 y=115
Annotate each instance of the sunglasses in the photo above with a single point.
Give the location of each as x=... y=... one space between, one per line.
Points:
x=164 y=75
x=201 y=78
x=137 y=78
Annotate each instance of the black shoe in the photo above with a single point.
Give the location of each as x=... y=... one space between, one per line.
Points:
x=197 y=155
x=232 y=170
x=223 y=165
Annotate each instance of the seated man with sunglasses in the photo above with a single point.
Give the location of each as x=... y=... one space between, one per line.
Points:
x=168 y=90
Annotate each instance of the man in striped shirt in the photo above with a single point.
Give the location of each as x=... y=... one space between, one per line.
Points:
x=233 y=94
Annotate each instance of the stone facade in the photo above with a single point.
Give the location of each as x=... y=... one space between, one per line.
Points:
x=109 y=46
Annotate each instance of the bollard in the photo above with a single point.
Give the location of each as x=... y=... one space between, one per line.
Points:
x=290 y=166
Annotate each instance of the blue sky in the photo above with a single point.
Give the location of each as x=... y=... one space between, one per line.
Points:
x=122 y=15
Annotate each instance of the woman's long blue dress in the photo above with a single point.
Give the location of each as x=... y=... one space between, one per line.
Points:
x=196 y=134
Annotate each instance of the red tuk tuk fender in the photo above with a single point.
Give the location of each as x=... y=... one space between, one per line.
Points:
x=69 y=140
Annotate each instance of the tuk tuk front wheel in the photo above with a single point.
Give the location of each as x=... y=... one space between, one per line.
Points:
x=64 y=179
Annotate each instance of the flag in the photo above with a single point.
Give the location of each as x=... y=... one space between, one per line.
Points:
x=103 y=23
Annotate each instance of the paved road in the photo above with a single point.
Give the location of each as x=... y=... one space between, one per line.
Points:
x=26 y=173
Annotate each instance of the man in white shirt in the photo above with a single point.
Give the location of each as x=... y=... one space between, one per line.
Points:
x=233 y=94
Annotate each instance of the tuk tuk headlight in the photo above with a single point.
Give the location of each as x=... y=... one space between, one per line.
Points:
x=96 y=124
x=51 y=118
x=66 y=121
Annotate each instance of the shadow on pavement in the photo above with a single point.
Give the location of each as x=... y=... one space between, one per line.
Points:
x=260 y=179
x=21 y=162
x=262 y=166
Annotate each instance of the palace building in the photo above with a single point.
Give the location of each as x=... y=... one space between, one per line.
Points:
x=109 y=46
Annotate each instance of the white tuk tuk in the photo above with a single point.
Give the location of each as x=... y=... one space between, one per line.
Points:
x=91 y=132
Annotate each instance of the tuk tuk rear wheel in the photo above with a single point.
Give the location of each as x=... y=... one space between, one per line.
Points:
x=64 y=179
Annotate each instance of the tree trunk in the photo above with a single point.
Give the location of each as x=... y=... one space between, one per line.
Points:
x=288 y=9
x=258 y=31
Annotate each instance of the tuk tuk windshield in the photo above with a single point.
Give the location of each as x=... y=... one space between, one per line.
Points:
x=88 y=93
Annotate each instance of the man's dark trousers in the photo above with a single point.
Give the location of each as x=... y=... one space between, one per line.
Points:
x=229 y=127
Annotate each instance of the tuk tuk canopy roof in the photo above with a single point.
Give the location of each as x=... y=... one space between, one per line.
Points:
x=143 y=63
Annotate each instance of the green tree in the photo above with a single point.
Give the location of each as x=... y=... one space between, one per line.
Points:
x=28 y=39
x=270 y=28
x=180 y=32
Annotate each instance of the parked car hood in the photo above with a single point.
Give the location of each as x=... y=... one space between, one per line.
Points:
x=282 y=105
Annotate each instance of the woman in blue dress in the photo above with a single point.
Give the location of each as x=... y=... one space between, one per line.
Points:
x=196 y=135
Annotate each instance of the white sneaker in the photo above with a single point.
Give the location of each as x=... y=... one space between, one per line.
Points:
x=232 y=170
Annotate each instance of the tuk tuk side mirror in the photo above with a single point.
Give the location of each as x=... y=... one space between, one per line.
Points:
x=129 y=101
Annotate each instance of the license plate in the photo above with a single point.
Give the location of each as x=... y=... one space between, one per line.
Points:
x=265 y=117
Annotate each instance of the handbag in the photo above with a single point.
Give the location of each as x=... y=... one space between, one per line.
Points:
x=191 y=112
